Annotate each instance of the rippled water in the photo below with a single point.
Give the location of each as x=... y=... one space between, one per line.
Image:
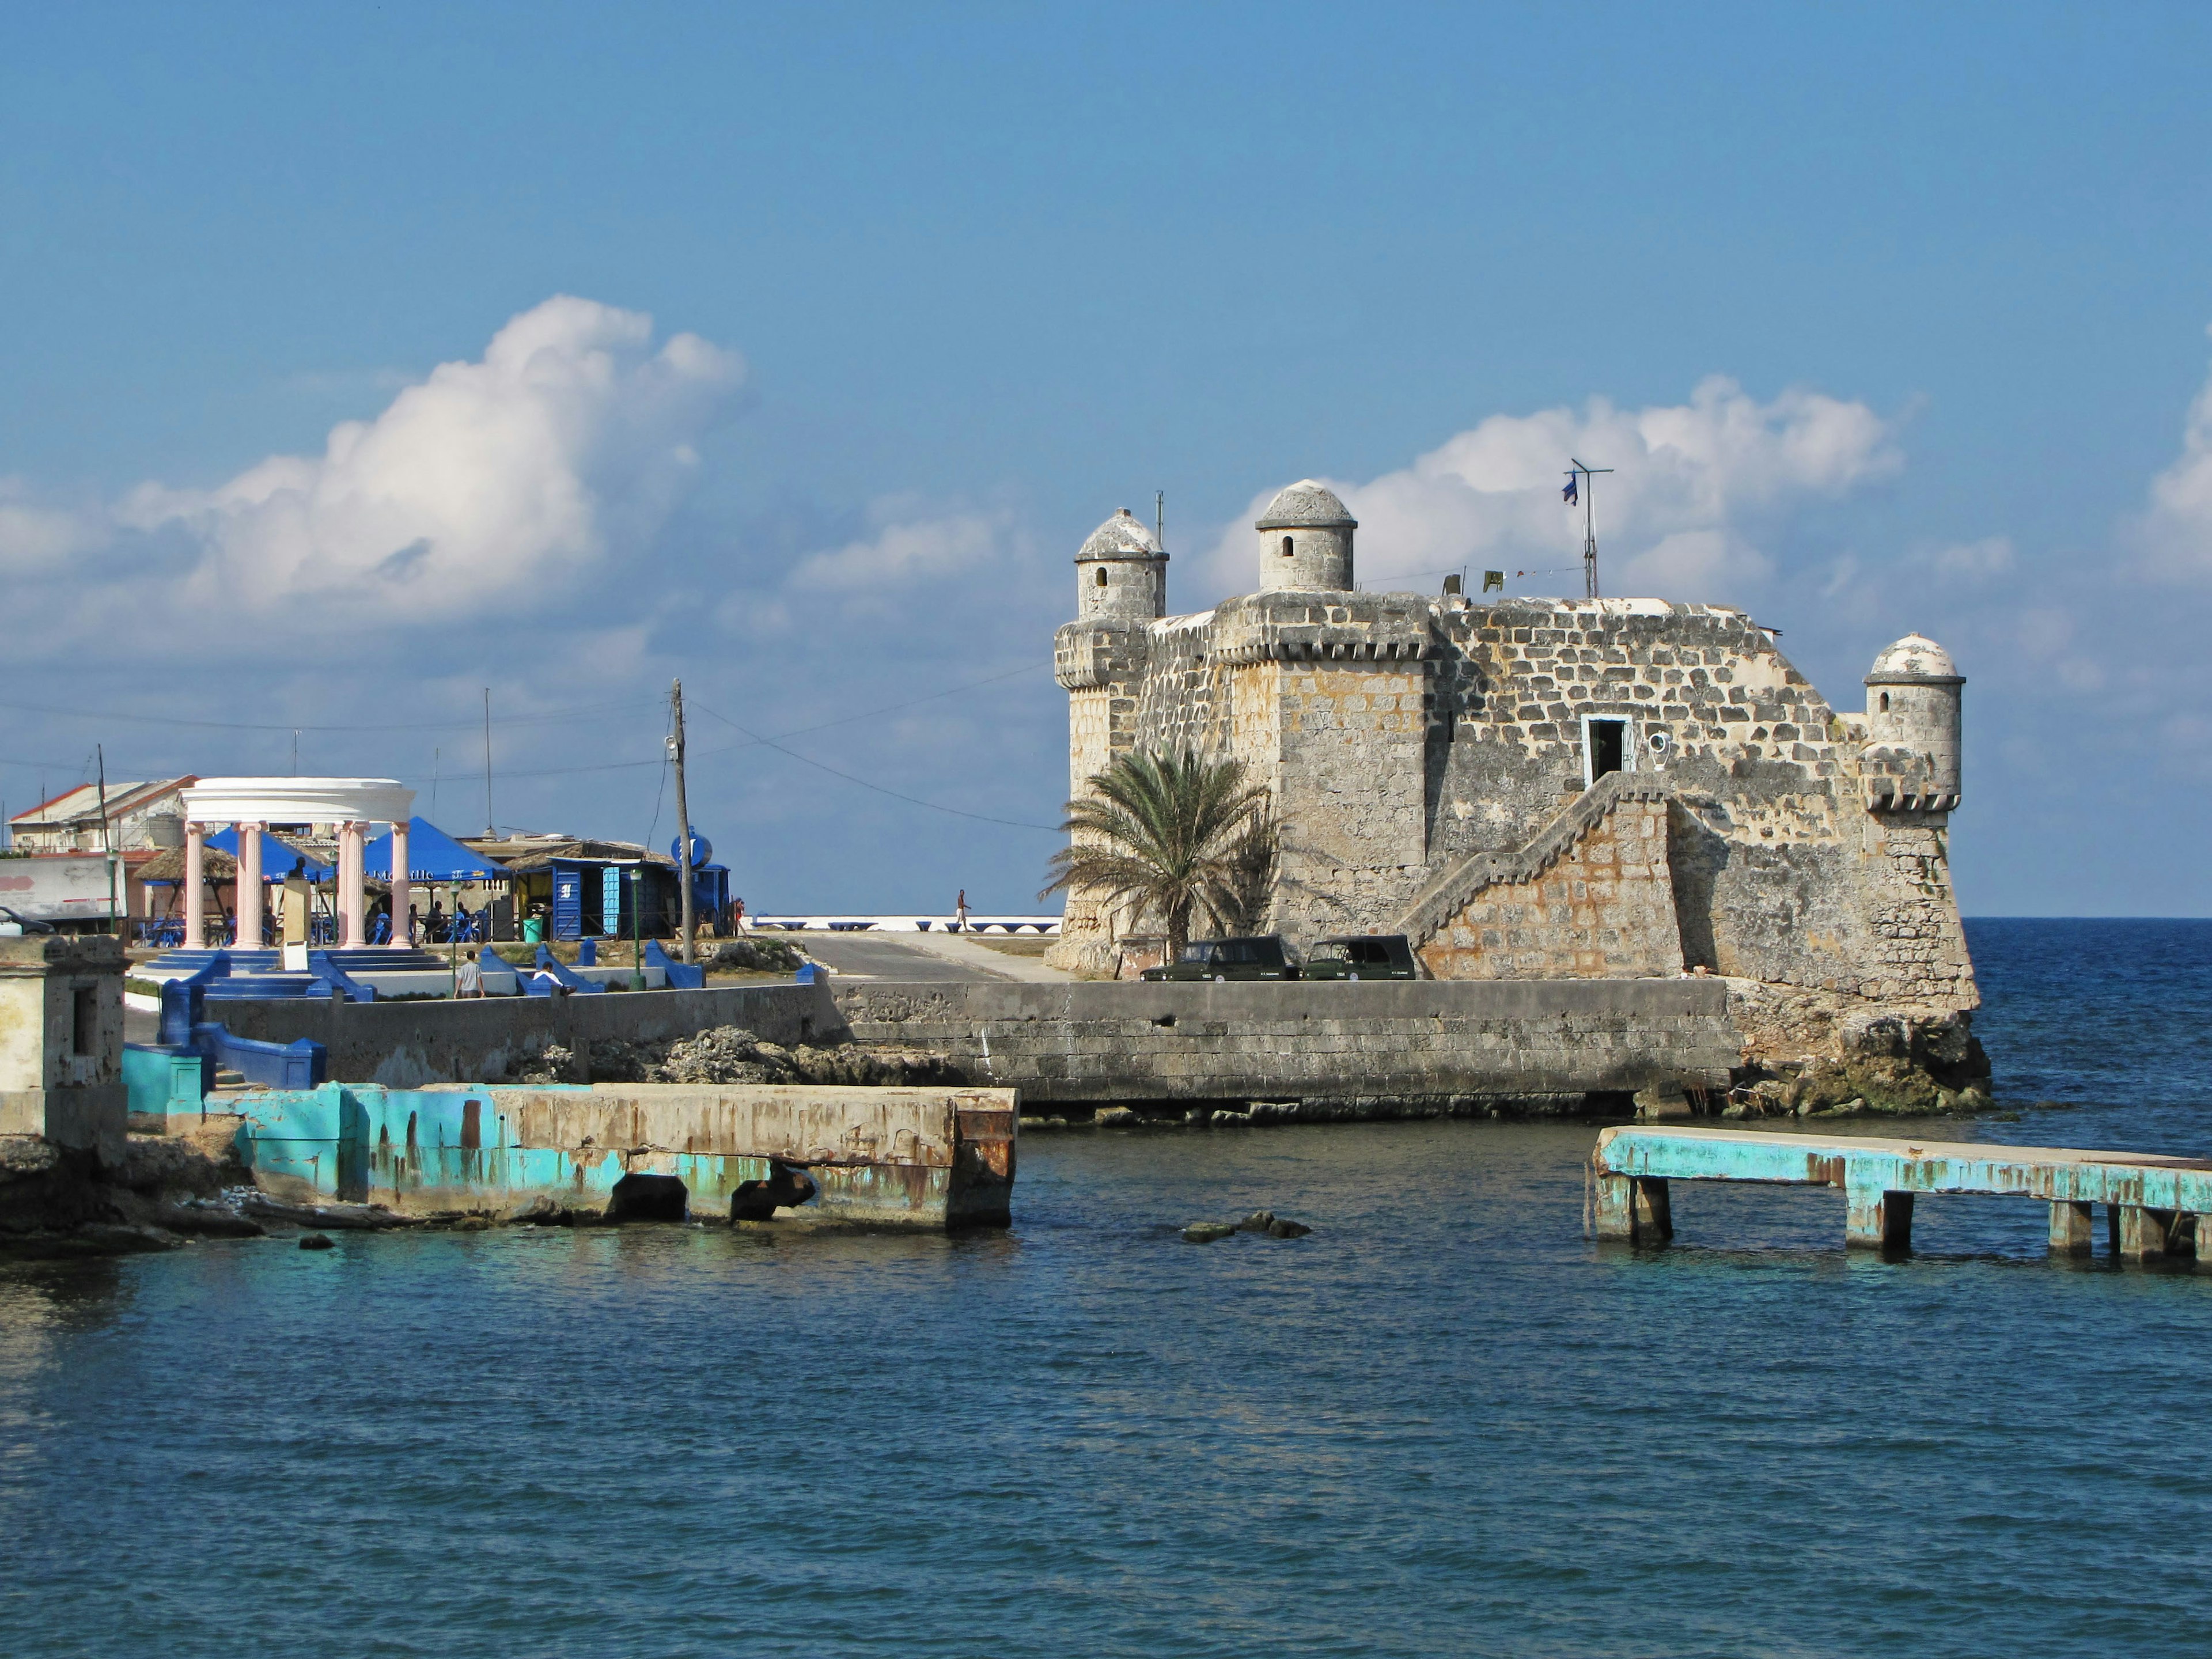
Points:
x=1441 y=1424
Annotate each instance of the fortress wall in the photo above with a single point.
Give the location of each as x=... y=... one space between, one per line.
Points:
x=408 y=1044
x=1518 y=1044
x=1522 y=677
x=1604 y=910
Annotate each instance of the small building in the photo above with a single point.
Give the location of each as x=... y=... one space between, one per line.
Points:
x=137 y=818
x=61 y=1044
x=586 y=888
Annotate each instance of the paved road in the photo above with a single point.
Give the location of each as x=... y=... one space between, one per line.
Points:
x=878 y=957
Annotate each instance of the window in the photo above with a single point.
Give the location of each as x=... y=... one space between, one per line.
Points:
x=1287 y=545
x=1102 y=575
x=84 y=1021
x=1885 y=702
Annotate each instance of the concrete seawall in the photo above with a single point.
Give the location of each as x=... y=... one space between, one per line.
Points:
x=1519 y=1045
x=404 y=1045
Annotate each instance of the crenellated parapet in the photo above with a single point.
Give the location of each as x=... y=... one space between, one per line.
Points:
x=1087 y=655
x=1324 y=627
x=1893 y=779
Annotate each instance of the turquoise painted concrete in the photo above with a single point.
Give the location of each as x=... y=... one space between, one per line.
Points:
x=2148 y=1180
x=454 y=1150
x=165 y=1083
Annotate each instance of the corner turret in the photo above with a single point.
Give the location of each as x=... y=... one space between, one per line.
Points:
x=1122 y=573
x=1911 y=762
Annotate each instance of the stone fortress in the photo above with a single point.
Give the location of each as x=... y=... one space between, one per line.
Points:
x=1536 y=788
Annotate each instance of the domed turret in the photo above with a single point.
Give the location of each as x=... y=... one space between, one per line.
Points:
x=1121 y=572
x=1913 y=696
x=1305 y=540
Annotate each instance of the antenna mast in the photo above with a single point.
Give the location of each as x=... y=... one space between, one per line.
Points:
x=1585 y=476
x=491 y=829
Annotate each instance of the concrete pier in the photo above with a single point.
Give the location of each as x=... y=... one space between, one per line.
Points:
x=800 y=1155
x=2155 y=1205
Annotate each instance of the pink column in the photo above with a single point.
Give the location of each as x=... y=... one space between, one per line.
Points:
x=249 y=887
x=402 y=897
x=195 y=887
x=352 y=893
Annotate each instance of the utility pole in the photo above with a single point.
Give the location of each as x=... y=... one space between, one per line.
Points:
x=106 y=837
x=491 y=829
x=1585 y=478
x=683 y=822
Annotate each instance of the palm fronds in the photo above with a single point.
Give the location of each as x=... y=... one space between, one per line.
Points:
x=1177 y=834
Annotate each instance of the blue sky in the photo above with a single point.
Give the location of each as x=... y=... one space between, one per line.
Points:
x=946 y=289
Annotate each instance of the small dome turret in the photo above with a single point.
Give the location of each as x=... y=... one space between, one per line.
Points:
x=1120 y=572
x=1914 y=659
x=1308 y=501
x=1305 y=540
x=1914 y=693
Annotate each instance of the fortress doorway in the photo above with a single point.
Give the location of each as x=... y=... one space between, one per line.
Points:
x=1605 y=748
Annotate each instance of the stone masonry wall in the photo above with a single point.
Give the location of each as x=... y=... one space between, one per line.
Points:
x=1604 y=909
x=1521 y=1045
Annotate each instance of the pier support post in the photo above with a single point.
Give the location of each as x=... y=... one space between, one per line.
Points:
x=2072 y=1228
x=1634 y=1208
x=2143 y=1232
x=2204 y=1241
x=1878 y=1220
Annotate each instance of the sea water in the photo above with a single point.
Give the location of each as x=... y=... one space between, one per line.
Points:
x=1444 y=1423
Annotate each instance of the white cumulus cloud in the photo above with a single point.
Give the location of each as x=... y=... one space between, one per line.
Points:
x=906 y=549
x=1693 y=485
x=567 y=444
x=2175 y=533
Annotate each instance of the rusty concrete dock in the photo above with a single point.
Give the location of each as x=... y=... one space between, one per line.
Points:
x=2155 y=1205
x=798 y=1155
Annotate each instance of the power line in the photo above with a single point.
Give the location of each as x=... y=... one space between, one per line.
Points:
x=598 y=710
x=913 y=800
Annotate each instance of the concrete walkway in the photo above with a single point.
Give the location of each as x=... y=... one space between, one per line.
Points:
x=951 y=947
x=922 y=957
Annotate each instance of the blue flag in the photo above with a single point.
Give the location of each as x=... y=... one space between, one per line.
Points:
x=1569 y=495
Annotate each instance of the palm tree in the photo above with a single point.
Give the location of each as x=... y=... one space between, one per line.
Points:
x=1175 y=833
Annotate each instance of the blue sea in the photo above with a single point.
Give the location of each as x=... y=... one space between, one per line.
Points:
x=1442 y=1424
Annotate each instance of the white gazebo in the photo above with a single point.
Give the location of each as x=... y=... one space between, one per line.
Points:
x=253 y=803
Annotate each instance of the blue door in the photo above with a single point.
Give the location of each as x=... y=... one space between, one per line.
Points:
x=611 y=899
x=567 y=904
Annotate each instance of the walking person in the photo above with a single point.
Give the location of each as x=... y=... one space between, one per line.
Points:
x=960 y=912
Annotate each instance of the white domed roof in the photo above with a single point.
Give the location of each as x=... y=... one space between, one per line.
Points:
x=1124 y=536
x=1305 y=502
x=1915 y=657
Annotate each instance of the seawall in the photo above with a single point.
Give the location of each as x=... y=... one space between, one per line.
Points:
x=404 y=1045
x=1517 y=1045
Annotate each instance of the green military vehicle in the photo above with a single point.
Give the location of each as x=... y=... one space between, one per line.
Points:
x=1229 y=959
x=1365 y=956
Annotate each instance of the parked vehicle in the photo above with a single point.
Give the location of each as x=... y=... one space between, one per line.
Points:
x=1365 y=956
x=13 y=924
x=1229 y=959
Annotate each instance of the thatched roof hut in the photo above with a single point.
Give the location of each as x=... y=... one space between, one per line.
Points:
x=167 y=868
